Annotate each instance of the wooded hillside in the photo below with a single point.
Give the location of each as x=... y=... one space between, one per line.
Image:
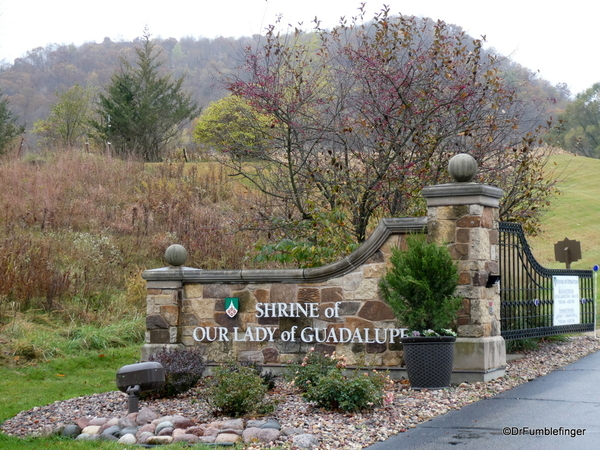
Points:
x=31 y=83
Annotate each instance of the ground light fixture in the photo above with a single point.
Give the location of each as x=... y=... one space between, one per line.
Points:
x=135 y=379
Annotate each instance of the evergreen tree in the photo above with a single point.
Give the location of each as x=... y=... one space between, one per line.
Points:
x=8 y=127
x=143 y=110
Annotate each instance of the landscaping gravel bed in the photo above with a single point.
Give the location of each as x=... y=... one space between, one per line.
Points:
x=333 y=430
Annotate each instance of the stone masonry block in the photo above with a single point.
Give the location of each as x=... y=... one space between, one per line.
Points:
x=217 y=291
x=487 y=218
x=188 y=320
x=156 y=322
x=367 y=290
x=376 y=310
x=442 y=231
x=476 y=210
x=262 y=295
x=193 y=291
x=464 y=278
x=463 y=235
x=494 y=236
x=459 y=252
x=374 y=270
x=173 y=335
x=469 y=222
x=352 y=281
x=492 y=267
x=332 y=295
x=159 y=336
x=309 y=295
x=452 y=212
x=162 y=300
x=203 y=308
x=171 y=314
x=283 y=293
x=480 y=245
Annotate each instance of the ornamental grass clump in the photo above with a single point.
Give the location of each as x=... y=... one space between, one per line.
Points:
x=420 y=286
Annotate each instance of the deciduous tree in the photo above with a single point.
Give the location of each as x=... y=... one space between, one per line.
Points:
x=580 y=124
x=367 y=114
x=68 y=124
x=232 y=126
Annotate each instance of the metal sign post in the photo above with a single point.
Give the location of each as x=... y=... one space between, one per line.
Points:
x=595 y=285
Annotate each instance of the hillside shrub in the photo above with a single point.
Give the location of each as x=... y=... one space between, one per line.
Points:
x=183 y=369
x=267 y=376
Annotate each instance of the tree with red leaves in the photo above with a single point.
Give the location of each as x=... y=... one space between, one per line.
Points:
x=363 y=116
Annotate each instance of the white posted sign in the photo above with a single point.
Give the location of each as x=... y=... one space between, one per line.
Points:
x=566 y=300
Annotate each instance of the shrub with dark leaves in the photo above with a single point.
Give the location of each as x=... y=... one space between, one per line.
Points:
x=183 y=369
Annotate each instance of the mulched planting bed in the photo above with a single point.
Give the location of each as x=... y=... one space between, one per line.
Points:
x=334 y=430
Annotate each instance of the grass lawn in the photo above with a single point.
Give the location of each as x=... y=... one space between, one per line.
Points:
x=25 y=386
x=574 y=215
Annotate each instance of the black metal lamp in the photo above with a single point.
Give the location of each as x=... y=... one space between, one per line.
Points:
x=140 y=377
x=492 y=280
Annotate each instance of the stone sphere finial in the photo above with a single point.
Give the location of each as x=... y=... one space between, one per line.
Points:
x=176 y=255
x=462 y=168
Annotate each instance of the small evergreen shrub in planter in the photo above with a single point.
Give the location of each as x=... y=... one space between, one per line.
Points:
x=183 y=369
x=419 y=287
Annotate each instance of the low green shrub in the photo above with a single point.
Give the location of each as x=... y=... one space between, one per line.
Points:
x=313 y=366
x=237 y=390
x=267 y=377
x=321 y=379
x=183 y=369
x=348 y=393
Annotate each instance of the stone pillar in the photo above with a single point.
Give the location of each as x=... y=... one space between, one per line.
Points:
x=464 y=216
x=163 y=306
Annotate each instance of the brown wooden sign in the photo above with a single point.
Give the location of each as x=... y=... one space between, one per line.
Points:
x=567 y=251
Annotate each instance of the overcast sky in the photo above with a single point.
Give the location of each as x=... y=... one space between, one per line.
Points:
x=559 y=40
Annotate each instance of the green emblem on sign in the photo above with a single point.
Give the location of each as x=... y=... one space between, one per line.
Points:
x=232 y=306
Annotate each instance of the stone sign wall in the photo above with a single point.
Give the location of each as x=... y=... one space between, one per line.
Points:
x=276 y=318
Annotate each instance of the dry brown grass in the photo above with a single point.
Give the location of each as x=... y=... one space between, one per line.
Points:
x=83 y=226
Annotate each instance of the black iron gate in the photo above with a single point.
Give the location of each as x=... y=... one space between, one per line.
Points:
x=526 y=291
